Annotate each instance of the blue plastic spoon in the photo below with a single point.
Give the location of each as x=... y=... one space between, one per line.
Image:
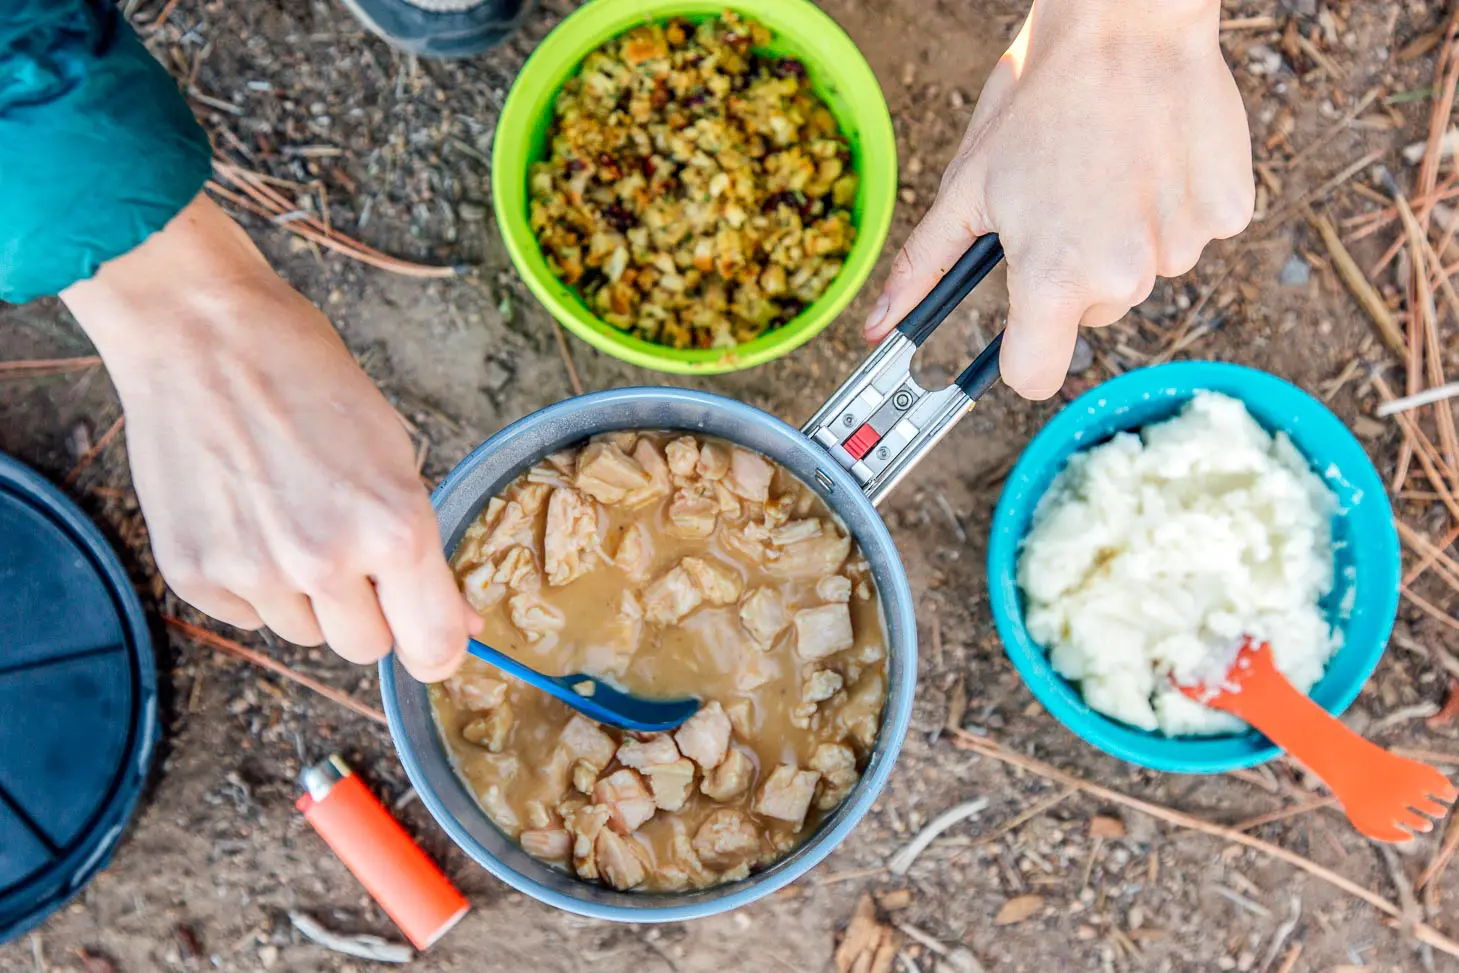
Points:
x=595 y=698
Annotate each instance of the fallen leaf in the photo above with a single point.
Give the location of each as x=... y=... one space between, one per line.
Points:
x=863 y=936
x=1449 y=712
x=895 y=899
x=92 y=963
x=957 y=705
x=1018 y=909
x=1102 y=826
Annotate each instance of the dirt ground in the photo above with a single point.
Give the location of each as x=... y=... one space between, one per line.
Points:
x=218 y=857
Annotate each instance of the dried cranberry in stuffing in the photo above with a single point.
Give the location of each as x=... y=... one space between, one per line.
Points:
x=789 y=67
x=618 y=216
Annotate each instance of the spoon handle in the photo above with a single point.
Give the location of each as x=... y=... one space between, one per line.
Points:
x=528 y=675
x=1378 y=790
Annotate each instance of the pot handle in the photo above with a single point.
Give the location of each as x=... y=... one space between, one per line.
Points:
x=880 y=422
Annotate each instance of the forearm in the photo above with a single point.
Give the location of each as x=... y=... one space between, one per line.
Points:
x=98 y=149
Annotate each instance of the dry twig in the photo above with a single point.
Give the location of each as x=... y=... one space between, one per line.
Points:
x=41 y=367
x=88 y=457
x=216 y=641
x=572 y=373
x=989 y=748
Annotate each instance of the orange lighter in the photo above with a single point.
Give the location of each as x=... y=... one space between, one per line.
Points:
x=373 y=845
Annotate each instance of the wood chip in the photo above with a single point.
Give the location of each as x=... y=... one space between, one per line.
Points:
x=1101 y=826
x=361 y=947
x=868 y=945
x=957 y=705
x=894 y=899
x=1017 y=909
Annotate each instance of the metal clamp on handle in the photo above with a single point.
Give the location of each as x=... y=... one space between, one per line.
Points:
x=880 y=422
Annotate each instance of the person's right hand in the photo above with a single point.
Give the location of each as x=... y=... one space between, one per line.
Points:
x=278 y=485
x=1108 y=146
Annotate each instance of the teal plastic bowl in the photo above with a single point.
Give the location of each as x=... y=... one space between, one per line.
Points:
x=1364 y=540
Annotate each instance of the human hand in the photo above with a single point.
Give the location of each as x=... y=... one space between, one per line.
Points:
x=278 y=485
x=1109 y=145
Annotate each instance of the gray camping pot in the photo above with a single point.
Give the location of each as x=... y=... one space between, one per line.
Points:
x=865 y=438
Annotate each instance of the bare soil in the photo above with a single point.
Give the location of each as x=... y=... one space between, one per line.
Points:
x=218 y=856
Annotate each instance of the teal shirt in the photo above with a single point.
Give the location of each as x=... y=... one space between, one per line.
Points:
x=98 y=148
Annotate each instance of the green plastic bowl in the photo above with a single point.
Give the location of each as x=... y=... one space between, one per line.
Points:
x=838 y=73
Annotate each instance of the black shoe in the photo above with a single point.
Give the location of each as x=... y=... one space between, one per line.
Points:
x=442 y=28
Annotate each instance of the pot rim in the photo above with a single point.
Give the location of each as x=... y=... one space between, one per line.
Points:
x=896 y=717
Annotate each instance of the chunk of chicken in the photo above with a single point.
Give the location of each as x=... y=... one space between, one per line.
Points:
x=692 y=513
x=747 y=540
x=741 y=715
x=469 y=550
x=786 y=795
x=481 y=591
x=531 y=497
x=716 y=582
x=538 y=817
x=731 y=778
x=628 y=801
x=584 y=777
x=834 y=587
x=779 y=511
x=729 y=504
x=622 y=862
x=704 y=737
x=820 y=685
x=671 y=783
x=624 y=439
x=837 y=766
x=534 y=617
x=585 y=740
x=565 y=461
x=607 y=474
x=659 y=485
x=548 y=844
x=667 y=600
x=860 y=715
x=571 y=545
x=471 y=688
x=683 y=456
x=585 y=825
x=813 y=558
x=726 y=838
x=500 y=810
x=657 y=749
x=762 y=614
x=491 y=731
x=548 y=475
x=517 y=570
x=714 y=461
x=684 y=855
x=823 y=631
x=514 y=528
x=749 y=475
x=635 y=555
x=796 y=531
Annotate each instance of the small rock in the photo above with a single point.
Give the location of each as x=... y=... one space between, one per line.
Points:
x=908 y=195
x=1298 y=8
x=268 y=956
x=1295 y=272
x=909 y=74
x=955 y=98
x=914 y=166
x=1262 y=60
x=1083 y=357
x=471 y=212
x=497 y=375
x=1366 y=427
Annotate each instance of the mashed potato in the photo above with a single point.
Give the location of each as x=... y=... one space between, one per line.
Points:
x=1155 y=553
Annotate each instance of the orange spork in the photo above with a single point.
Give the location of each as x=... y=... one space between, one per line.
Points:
x=1382 y=793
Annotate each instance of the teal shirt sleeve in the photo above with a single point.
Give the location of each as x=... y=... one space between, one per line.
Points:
x=98 y=148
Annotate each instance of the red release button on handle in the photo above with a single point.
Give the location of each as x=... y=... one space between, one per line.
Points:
x=861 y=441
